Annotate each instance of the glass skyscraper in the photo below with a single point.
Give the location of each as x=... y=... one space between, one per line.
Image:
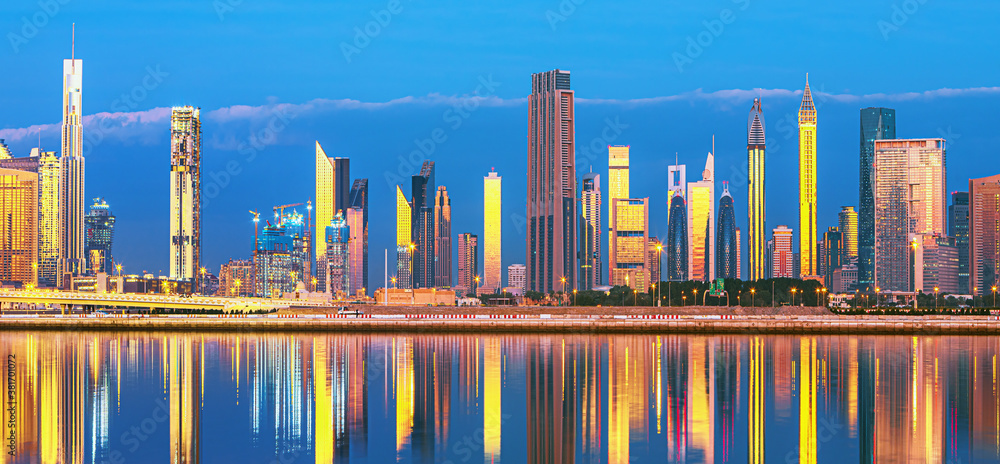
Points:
x=727 y=253
x=424 y=234
x=876 y=124
x=756 y=212
x=677 y=246
x=590 y=232
x=958 y=228
x=100 y=235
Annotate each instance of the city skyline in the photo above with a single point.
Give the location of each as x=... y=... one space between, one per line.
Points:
x=656 y=227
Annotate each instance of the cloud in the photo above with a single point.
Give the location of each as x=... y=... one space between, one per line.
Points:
x=148 y=126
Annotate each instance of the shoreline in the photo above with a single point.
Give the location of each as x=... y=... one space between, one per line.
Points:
x=554 y=324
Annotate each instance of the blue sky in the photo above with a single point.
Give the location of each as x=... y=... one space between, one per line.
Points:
x=669 y=75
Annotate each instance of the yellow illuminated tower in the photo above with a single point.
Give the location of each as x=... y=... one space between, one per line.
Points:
x=807 y=185
x=404 y=244
x=756 y=233
x=333 y=186
x=629 y=237
x=491 y=233
x=19 y=221
x=185 y=192
x=618 y=179
x=848 y=221
x=49 y=238
x=701 y=223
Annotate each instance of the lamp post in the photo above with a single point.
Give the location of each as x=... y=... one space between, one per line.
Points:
x=574 y=297
x=202 y=271
x=695 y=300
x=878 y=294
x=635 y=297
x=825 y=299
x=684 y=300
x=817 y=296
x=935 y=298
x=793 y=295
x=994 y=296
x=659 y=259
x=237 y=282
x=753 y=295
x=974 y=291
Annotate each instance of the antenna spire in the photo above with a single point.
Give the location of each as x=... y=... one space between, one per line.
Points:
x=72 y=54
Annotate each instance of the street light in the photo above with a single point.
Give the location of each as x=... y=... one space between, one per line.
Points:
x=793 y=295
x=695 y=301
x=202 y=270
x=878 y=294
x=684 y=300
x=659 y=259
x=994 y=296
x=753 y=294
x=635 y=297
x=935 y=298
x=574 y=297
x=237 y=282
x=817 y=296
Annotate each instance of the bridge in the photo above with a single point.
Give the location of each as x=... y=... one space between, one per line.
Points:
x=65 y=301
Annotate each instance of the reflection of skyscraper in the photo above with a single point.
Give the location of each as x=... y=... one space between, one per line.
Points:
x=442 y=233
x=808 y=232
x=423 y=233
x=551 y=250
x=492 y=394
x=984 y=239
x=552 y=414
x=72 y=168
x=876 y=124
x=757 y=408
x=677 y=245
x=19 y=223
x=756 y=211
x=727 y=259
x=100 y=235
x=185 y=192
x=404 y=241
x=808 y=379
x=590 y=232
x=701 y=218
x=492 y=233
x=185 y=399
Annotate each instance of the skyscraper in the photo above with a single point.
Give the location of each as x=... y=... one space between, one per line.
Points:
x=833 y=248
x=404 y=241
x=739 y=254
x=516 y=277
x=49 y=224
x=848 y=225
x=782 y=259
x=618 y=178
x=677 y=239
x=984 y=238
x=551 y=210
x=338 y=255
x=19 y=223
x=958 y=228
x=876 y=124
x=359 y=199
x=100 y=235
x=756 y=235
x=355 y=222
x=468 y=262
x=654 y=248
x=424 y=234
x=333 y=177
x=727 y=260
x=71 y=180
x=910 y=201
x=442 y=233
x=492 y=222
x=808 y=233
x=185 y=192
x=701 y=219
x=630 y=235
x=590 y=232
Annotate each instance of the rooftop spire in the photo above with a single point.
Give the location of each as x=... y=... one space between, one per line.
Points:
x=72 y=52
x=807 y=111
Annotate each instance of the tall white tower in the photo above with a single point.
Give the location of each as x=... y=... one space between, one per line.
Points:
x=71 y=179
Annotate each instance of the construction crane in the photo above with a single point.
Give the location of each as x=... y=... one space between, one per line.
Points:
x=279 y=211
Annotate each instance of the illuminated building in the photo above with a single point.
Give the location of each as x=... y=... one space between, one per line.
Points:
x=404 y=243
x=236 y=270
x=700 y=221
x=551 y=250
x=630 y=234
x=727 y=259
x=49 y=224
x=185 y=192
x=984 y=234
x=677 y=238
x=910 y=200
x=653 y=249
x=848 y=225
x=756 y=210
x=72 y=169
x=958 y=227
x=677 y=179
x=294 y=227
x=935 y=261
x=333 y=177
x=338 y=256
x=24 y=163
x=516 y=275
x=273 y=262
x=782 y=261
x=359 y=200
x=834 y=254
x=618 y=180
x=356 y=255
x=4 y=151
x=468 y=264
x=808 y=234
x=876 y=124
x=492 y=233
x=100 y=235
x=423 y=232
x=19 y=221
x=739 y=254
x=442 y=233
x=591 y=264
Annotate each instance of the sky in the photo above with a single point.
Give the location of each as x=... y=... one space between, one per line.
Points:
x=373 y=80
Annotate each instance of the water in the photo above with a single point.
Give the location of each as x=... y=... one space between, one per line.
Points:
x=263 y=398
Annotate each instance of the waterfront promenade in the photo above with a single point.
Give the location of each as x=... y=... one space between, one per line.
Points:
x=571 y=320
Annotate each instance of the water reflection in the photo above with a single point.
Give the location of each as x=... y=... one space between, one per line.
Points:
x=98 y=397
